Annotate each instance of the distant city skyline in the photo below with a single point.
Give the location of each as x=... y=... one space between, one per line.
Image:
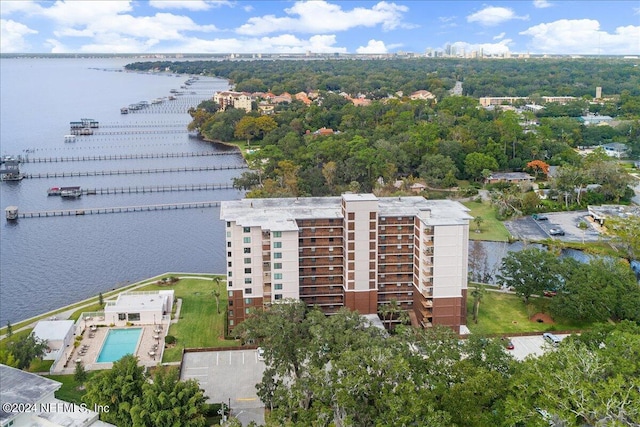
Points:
x=345 y=27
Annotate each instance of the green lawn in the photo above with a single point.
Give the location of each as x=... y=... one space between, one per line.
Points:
x=490 y=228
x=70 y=391
x=199 y=325
x=502 y=313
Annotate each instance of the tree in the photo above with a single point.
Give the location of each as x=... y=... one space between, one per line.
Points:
x=117 y=388
x=100 y=299
x=27 y=349
x=477 y=293
x=627 y=235
x=169 y=402
x=530 y=271
x=538 y=166
x=9 y=329
x=475 y=163
x=592 y=383
x=79 y=374
x=478 y=220
x=599 y=291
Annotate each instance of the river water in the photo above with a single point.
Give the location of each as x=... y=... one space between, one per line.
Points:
x=46 y=263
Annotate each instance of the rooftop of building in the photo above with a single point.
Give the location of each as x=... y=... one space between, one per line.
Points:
x=52 y=329
x=281 y=214
x=140 y=301
x=19 y=386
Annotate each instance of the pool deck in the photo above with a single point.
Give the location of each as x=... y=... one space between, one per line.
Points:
x=94 y=341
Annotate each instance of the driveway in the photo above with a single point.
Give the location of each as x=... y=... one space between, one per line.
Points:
x=229 y=377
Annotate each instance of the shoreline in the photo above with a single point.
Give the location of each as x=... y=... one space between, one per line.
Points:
x=69 y=309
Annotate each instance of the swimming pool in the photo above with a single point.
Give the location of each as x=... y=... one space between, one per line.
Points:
x=118 y=343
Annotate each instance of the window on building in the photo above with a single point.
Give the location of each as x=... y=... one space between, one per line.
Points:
x=247 y=260
x=248 y=291
x=247 y=271
x=277 y=234
x=278 y=296
x=277 y=286
x=246 y=239
x=228 y=244
x=247 y=250
x=122 y=316
x=231 y=322
x=230 y=273
x=247 y=301
x=247 y=310
x=229 y=264
x=228 y=254
x=277 y=276
x=277 y=266
x=228 y=224
x=247 y=280
x=230 y=283
x=230 y=313
x=133 y=317
x=277 y=245
x=228 y=234
x=277 y=255
x=246 y=229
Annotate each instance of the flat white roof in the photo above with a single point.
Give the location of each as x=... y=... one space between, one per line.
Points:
x=281 y=214
x=133 y=302
x=52 y=330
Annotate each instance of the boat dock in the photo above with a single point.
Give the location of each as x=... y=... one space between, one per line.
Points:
x=15 y=213
x=130 y=171
x=123 y=157
x=56 y=191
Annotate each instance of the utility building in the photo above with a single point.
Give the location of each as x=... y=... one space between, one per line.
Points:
x=356 y=251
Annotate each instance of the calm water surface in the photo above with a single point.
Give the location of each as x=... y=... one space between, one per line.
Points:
x=49 y=262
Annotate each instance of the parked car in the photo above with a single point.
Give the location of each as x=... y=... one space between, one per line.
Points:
x=551 y=339
x=260 y=352
x=550 y=293
x=508 y=344
x=556 y=232
x=540 y=217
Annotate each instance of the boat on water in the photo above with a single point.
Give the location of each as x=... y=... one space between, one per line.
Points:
x=124 y=110
x=67 y=192
x=10 y=169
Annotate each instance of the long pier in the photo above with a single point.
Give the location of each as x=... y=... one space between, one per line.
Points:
x=156 y=189
x=117 y=209
x=125 y=157
x=130 y=172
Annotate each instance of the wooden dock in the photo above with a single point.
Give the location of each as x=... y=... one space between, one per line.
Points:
x=130 y=171
x=157 y=189
x=117 y=209
x=126 y=157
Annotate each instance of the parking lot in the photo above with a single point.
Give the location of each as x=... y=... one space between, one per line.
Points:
x=531 y=345
x=229 y=377
x=529 y=229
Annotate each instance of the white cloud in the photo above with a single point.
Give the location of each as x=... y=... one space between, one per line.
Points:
x=285 y=43
x=247 y=8
x=541 y=4
x=374 y=46
x=582 y=36
x=195 y=5
x=500 y=36
x=499 y=48
x=12 y=36
x=320 y=17
x=72 y=13
x=491 y=15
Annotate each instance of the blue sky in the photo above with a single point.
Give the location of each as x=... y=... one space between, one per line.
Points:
x=319 y=26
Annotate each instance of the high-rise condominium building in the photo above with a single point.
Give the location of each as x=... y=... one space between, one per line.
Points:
x=357 y=251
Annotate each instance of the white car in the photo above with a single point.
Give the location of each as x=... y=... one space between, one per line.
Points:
x=260 y=352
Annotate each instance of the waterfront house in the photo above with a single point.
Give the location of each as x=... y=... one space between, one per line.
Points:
x=58 y=334
x=141 y=308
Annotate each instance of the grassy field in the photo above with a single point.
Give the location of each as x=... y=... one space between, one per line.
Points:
x=502 y=313
x=490 y=228
x=200 y=324
x=70 y=391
